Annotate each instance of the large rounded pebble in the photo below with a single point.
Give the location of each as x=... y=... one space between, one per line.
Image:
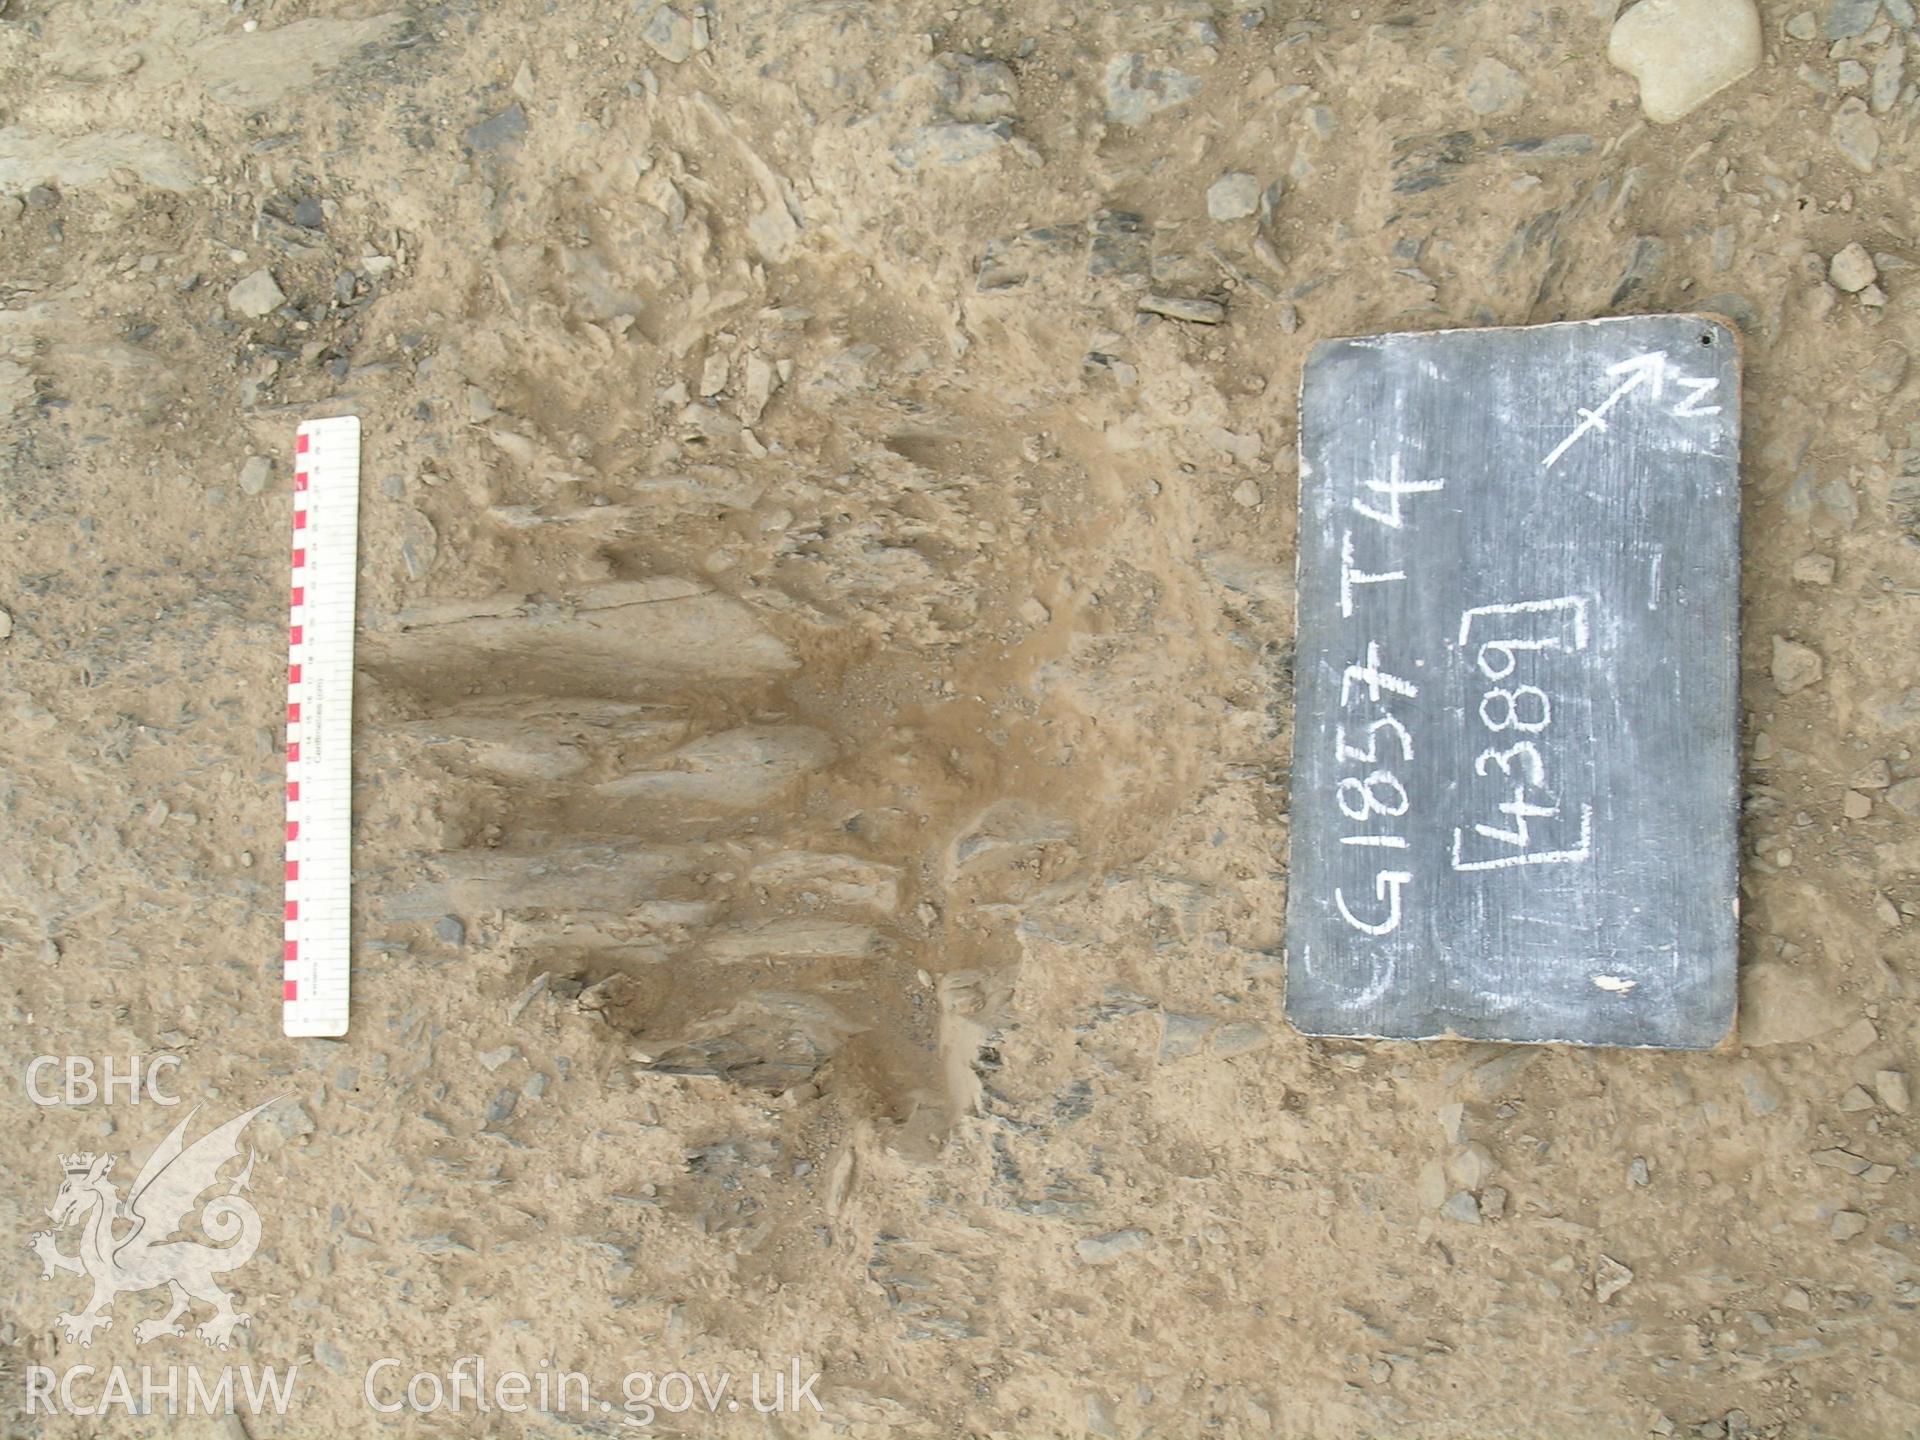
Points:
x=1683 y=52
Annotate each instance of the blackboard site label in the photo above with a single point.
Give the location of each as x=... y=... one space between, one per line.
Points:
x=1515 y=783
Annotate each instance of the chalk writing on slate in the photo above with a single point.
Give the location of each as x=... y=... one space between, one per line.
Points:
x=1515 y=782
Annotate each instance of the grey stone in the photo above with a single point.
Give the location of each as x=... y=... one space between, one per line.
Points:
x=1233 y=196
x=1122 y=246
x=1857 y=1038
x=1499 y=1077
x=1683 y=52
x=1013 y=260
x=1896 y=714
x=1471 y=1167
x=1847 y=18
x=951 y=143
x=1105 y=1249
x=419 y=544
x=256 y=296
x=1889 y=73
x=1905 y=797
x=1891 y=1087
x=1461 y=1208
x=1855 y=135
x=1610 y=1277
x=1852 y=269
x=1795 y=666
x=1837 y=1159
x=1644 y=264
x=497 y=132
x=1803 y=26
x=670 y=34
x=1174 y=307
x=1848 y=1224
x=255 y=474
x=1137 y=91
x=1182 y=1035
x=1813 y=568
x=1875 y=775
x=977 y=91
x=450 y=930
x=502 y=1105
x=1494 y=88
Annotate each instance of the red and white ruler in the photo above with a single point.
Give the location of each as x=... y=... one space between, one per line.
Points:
x=326 y=508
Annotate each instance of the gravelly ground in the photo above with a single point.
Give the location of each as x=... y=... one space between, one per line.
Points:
x=823 y=715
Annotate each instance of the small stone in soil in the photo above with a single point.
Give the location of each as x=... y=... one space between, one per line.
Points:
x=1855 y=135
x=1858 y=1037
x=1493 y=87
x=1610 y=1277
x=670 y=34
x=1196 y=312
x=257 y=296
x=1852 y=269
x=1814 y=568
x=1795 y=666
x=1233 y=197
x=1471 y=1166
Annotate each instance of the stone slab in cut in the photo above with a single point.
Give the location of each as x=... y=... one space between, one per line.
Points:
x=1515 y=785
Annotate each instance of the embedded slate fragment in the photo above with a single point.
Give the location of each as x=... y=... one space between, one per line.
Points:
x=1515 y=783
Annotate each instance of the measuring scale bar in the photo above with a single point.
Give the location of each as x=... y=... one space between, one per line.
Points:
x=319 y=875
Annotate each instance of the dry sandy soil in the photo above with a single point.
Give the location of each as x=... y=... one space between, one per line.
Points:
x=823 y=711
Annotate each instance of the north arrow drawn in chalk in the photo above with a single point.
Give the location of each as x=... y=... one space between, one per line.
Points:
x=1652 y=372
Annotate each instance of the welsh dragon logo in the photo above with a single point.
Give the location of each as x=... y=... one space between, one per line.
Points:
x=126 y=1244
